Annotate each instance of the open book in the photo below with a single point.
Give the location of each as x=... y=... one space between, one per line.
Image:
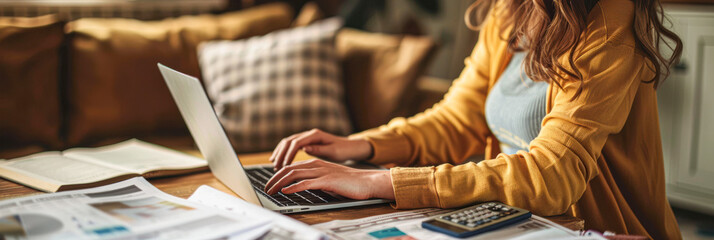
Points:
x=90 y=167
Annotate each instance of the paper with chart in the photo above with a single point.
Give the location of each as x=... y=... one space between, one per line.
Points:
x=132 y=209
x=406 y=225
x=280 y=227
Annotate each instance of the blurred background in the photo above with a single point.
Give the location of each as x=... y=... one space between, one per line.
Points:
x=441 y=20
x=81 y=73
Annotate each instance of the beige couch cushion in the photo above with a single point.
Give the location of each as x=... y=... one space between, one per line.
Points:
x=115 y=88
x=29 y=95
x=380 y=73
x=270 y=87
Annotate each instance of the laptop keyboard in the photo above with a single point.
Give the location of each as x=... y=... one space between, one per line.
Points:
x=260 y=176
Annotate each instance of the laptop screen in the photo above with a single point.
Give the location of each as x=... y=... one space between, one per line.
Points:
x=208 y=133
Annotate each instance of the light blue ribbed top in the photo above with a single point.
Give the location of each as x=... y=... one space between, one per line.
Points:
x=515 y=107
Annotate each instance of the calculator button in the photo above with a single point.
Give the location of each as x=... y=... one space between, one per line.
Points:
x=446 y=218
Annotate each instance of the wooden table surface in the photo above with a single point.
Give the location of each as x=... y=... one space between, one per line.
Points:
x=183 y=186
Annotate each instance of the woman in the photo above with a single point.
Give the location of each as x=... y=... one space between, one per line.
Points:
x=565 y=90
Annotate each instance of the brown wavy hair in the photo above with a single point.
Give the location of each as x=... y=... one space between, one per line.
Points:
x=549 y=29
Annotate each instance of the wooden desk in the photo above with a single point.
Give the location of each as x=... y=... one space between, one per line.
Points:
x=184 y=186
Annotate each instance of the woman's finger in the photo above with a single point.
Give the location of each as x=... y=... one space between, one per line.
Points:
x=282 y=149
x=314 y=163
x=282 y=173
x=336 y=186
x=277 y=149
x=312 y=137
x=321 y=151
x=304 y=185
x=290 y=177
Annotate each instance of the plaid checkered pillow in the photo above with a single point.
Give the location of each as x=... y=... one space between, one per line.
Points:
x=269 y=87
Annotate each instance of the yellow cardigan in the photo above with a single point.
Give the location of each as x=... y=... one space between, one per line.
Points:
x=597 y=157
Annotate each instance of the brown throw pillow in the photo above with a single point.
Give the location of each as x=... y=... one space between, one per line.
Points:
x=380 y=73
x=115 y=88
x=29 y=94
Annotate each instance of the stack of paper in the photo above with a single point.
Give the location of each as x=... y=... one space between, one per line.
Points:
x=132 y=209
x=279 y=227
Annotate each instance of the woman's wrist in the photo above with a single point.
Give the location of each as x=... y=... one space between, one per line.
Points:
x=381 y=182
x=363 y=149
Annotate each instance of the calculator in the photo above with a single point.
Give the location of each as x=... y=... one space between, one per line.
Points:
x=476 y=219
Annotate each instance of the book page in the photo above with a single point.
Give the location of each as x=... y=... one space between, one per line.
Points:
x=55 y=168
x=137 y=156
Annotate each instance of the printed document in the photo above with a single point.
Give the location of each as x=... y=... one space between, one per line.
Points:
x=280 y=227
x=406 y=225
x=132 y=209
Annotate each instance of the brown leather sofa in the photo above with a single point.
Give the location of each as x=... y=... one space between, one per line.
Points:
x=92 y=82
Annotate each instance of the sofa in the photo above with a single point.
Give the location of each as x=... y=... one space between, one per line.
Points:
x=92 y=82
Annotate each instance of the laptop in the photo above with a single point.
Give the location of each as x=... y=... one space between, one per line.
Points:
x=249 y=181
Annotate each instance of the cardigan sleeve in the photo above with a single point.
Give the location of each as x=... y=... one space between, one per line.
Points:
x=441 y=133
x=554 y=172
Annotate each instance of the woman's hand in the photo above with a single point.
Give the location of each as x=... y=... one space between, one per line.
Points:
x=320 y=144
x=322 y=175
